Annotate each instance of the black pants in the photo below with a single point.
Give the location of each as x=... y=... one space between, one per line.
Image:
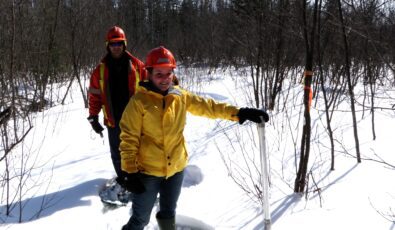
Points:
x=114 y=140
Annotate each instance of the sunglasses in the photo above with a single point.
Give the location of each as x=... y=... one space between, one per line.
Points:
x=116 y=44
x=163 y=75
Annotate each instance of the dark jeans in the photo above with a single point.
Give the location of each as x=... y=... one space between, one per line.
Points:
x=114 y=140
x=169 y=190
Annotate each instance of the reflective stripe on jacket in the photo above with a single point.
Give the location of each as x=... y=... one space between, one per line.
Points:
x=152 y=126
x=99 y=91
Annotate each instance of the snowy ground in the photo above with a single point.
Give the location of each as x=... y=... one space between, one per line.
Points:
x=73 y=162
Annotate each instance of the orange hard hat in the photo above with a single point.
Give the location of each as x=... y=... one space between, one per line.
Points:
x=160 y=57
x=115 y=34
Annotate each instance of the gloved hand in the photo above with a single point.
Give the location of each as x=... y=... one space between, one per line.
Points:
x=132 y=182
x=252 y=114
x=93 y=119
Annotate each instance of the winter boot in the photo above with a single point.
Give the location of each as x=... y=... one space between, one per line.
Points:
x=166 y=224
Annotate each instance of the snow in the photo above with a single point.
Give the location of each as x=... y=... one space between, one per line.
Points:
x=73 y=163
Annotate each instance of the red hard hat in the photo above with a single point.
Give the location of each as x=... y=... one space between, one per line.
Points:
x=115 y=34
x=160 y=57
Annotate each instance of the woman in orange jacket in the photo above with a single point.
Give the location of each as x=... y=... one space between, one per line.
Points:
x=153 y=152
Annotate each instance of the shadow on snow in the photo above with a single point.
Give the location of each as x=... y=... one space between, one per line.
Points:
x=48 y=204
x=289 y=200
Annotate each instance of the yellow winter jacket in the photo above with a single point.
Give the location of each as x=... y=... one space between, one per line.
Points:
x=152 y=126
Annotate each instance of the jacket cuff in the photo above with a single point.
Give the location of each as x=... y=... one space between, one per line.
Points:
x=128 y=166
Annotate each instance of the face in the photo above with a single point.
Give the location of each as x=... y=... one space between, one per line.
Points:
x=116 y=49
x=162 y=77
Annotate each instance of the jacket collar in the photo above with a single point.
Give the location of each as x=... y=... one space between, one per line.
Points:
x=150 y=88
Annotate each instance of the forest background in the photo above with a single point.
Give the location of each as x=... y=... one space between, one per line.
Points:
x=45 y=41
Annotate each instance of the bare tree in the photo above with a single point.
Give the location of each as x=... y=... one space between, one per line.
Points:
x=309 y=31
x=349 y=81
x=21 y=94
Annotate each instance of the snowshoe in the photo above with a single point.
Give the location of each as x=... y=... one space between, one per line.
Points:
x=114 y=195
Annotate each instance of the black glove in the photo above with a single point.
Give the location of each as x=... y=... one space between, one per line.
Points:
x=252 y=115
x=93 y=119
x=132 y=182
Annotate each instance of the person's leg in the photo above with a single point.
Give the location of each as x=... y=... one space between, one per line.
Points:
x=114 y=140
x=169 y=193
x=143 y=203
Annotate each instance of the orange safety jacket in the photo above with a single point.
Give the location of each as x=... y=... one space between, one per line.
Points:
x=99 y=98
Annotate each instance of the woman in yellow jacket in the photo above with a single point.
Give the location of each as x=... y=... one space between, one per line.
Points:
x=153 y=152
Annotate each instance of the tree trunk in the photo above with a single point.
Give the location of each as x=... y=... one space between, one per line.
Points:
x=300 y=181
x=349 y=83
